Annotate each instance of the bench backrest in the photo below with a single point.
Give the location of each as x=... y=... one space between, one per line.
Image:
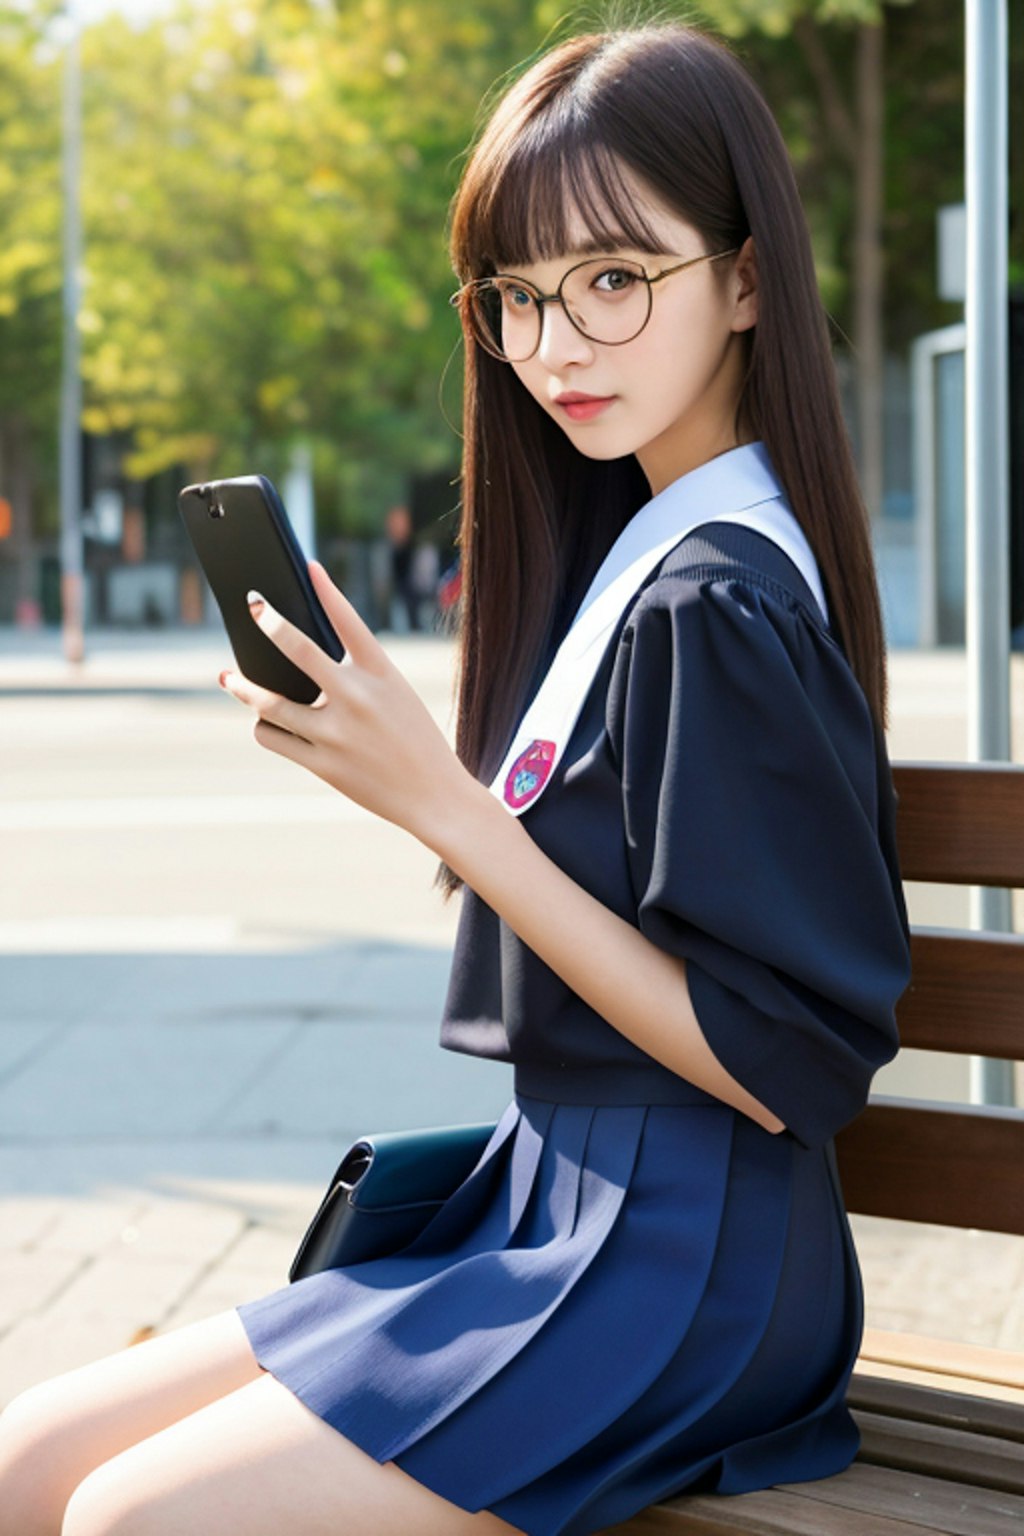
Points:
x=958 y=1165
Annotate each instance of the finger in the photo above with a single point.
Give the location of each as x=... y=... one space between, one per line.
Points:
x=270 y=706
x=355 y=635
x=291 y=641
x=284 y=743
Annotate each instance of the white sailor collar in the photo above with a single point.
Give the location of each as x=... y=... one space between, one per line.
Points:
x=738 y=486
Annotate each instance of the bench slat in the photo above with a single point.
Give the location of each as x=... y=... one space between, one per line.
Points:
x=962 y=823
x=967 y=994
x=946 y=1357
x=959 y=1166
x=935 y=1380
x=862 y=1501
x=770 y=1513
x=936 y=1405
x=954 y=1454
x=961 y=1509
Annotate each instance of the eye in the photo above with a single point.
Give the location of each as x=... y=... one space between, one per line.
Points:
x=513 y=295
x=616 y=280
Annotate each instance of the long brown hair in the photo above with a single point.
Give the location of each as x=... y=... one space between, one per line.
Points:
x=672 y=105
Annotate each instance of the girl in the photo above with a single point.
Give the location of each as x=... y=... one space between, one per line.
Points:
x=671 y=812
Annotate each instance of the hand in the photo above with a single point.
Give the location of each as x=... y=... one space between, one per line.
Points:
x=368 y=734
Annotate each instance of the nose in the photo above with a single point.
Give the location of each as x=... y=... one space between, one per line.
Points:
x=560 y=341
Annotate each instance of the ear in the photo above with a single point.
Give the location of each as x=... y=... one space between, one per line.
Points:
x=744 y=276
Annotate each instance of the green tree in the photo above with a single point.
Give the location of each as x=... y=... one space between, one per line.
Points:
x=30 y=278
x=265 y=190
x=264 y=211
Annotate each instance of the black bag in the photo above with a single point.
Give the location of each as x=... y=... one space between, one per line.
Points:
x=385 y=1190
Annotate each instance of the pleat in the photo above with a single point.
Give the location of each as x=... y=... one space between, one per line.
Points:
x=816 y=1434
x=455 y=1330
x=594 y=1359
x=385 y=1350
x=769 y=1302
x=295 y=1329
x=606 y=1312
x=483 y=1212
x=655 y=1446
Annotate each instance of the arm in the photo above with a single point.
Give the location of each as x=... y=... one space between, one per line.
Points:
x=640 y=989
x=370 y=736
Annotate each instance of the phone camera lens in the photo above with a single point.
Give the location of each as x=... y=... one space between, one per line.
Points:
x=214 y=506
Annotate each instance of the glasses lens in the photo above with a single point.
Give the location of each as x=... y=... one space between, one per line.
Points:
x=608 y=299
x=505 y=317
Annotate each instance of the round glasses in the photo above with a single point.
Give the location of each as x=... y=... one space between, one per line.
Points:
x=606 y=298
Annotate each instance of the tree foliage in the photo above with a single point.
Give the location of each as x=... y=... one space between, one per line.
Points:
x=265 y=185
x=30 y=215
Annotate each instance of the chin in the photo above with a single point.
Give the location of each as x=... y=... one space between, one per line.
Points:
x=601 y=452
x=602 y=447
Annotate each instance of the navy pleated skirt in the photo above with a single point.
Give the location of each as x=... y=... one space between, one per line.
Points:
x=620 y=1303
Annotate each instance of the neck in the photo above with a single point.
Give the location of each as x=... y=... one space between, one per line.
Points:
x=662 y=468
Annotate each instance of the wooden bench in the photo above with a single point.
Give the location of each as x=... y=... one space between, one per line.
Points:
x=942 y=1424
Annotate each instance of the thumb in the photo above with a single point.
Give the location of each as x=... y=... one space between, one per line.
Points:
x=355 y=635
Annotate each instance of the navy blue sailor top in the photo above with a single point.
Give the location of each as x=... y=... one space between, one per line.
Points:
x=726 y=791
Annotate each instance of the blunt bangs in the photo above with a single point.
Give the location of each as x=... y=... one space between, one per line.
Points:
x=558 y=182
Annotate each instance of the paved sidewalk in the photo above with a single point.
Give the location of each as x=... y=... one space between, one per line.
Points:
x=214 y=973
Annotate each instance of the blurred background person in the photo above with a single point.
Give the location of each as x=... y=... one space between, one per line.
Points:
x=398 y=527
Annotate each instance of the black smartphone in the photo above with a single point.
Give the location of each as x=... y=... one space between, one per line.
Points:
x=241 y=533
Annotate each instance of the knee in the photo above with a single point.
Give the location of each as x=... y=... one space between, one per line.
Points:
x=107 y=1503
x=29 y=1501
x=93 y=1508
x=26 y=1424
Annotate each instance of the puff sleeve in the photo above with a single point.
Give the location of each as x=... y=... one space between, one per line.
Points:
x=758 y=811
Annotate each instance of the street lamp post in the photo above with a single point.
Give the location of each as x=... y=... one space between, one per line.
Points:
x=71 y=562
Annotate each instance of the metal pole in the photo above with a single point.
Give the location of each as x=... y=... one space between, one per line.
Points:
x=71 y=562
x=987 y=486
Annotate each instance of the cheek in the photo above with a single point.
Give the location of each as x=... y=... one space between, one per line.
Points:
x=653 y=357
x=673 y=364
x=660 y=371
x=531 y=376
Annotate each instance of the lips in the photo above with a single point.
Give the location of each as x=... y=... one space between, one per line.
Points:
x=581 y=407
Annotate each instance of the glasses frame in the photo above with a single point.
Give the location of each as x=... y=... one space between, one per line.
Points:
x=461 y=297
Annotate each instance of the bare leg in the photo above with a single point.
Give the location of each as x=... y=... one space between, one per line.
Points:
x=56 y=1433
x=259 y=1463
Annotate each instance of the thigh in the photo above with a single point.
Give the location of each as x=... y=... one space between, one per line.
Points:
x=75 y=1421
x=257 y=1463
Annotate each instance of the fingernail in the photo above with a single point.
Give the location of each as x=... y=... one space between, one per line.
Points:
x=255 y=603
x=223 y=679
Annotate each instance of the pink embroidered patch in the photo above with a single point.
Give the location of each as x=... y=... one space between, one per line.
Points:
x=529 y=773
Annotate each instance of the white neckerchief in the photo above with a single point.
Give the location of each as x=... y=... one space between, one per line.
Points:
x=739 y=486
